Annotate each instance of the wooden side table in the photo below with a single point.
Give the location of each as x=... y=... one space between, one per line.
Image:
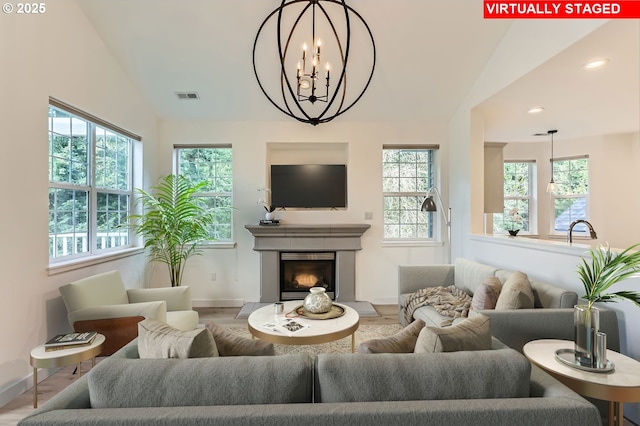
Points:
x=40 y=358
x=619 y=386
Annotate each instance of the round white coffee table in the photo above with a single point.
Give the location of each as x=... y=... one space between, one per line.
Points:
x=40 y=358
x=620 y=385
x=318 y=331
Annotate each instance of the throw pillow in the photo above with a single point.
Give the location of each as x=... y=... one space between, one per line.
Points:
x=230 y=344
x=403 y=341
x=486 y=296
x=472 y=334
x=159 y=340
x=516 y=293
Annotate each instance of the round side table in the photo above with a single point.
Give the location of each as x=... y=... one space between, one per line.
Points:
x=619 y=386
x=40 y=358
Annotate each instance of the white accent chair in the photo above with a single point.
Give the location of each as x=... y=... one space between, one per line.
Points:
x=102 y=303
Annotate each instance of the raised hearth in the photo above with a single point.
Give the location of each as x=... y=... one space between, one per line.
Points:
x=341 y=239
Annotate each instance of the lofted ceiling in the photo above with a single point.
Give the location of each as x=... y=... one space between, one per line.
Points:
x=429 y=54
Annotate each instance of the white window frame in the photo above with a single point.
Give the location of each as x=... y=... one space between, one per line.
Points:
x=427 y=219
x=531 y=200
x=214 y=242
x=91 y=187
x=580 y=230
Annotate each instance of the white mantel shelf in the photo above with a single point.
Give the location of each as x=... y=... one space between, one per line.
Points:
x=302 y=230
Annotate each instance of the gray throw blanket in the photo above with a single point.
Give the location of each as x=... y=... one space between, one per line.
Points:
x=450 y=302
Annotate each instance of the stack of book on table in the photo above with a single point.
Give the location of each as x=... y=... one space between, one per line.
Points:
x=70 y=340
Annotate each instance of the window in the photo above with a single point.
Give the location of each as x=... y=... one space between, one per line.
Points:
x=90 y=184
x=518 y=190
x=569 y=201
x=407 y=174
x=214 y=165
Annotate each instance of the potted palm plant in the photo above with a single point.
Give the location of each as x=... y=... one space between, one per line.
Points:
x=173 y=222
x=598 y=274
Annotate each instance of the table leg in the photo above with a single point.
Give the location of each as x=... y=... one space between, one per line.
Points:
x=611 y=413
x=353 y=342
x=93 y=362
x=79 y=369
x=35 y=387
x=619 y=414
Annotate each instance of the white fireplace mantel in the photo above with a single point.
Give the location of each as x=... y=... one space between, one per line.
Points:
x=343 y=239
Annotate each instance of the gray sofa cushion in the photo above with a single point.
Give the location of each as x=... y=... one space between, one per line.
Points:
x=502 y=373
x=124 y=383
x=470 y=275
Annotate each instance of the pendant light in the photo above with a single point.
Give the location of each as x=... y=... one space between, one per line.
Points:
x=551 y=187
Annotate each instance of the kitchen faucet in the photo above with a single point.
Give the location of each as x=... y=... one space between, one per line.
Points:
x=574 y=223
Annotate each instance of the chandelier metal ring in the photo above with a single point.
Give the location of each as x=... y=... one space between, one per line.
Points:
x=307 y=85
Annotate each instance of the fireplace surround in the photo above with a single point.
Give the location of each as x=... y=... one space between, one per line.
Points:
x=342 y=240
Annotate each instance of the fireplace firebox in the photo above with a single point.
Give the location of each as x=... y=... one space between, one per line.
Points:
x=301 y=271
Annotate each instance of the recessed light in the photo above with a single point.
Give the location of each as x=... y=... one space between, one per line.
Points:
x=595 y=63
x=535 y=110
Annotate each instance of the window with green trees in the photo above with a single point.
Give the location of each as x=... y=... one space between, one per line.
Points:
x=213 y=164
x=570 y=198
x=518 y=198
x=407 y=175
x=90 y=185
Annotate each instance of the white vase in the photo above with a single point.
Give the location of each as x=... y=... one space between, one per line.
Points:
x=269 y=215
x=317 y=302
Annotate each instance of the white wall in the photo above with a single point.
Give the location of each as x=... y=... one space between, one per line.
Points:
x=527 y=45
x=613 y=160
x=237 y=269
x=55 y=54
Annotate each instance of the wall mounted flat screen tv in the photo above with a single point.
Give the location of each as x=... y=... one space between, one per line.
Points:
x=309 y=186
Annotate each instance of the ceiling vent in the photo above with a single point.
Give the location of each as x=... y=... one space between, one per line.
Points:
x=187 y=95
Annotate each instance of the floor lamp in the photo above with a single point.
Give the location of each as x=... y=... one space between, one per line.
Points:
x=429 y=205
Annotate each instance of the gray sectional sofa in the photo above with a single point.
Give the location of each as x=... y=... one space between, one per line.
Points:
x=497 y=387
x=551 y=318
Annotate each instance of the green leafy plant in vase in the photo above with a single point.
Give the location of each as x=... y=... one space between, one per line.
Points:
x=598 y=274
x=174 y=220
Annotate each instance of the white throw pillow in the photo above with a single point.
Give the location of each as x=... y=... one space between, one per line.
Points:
x=471 y=334
x=516 y=293
x=159 y=340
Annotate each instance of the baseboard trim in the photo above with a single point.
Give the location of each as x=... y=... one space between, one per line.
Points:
x=16 y=389
x=218 y=303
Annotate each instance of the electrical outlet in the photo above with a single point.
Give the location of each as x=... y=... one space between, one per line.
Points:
x=368 y=215
x=213 y=276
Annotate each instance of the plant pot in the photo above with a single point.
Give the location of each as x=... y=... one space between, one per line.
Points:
x=269 y=215
x=586 y=322
x=514 y=232
x=317 y=302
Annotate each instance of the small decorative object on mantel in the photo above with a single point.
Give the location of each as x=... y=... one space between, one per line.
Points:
x=274 y=222
x=270 y=215
x=605 y=269
x=515 y=219
x=318 y=301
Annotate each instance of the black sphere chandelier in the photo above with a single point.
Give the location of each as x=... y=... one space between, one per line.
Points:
x=313 y=82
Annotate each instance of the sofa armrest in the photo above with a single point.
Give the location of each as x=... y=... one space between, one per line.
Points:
x=177 y=298
x=550 y=296
x=155 y=310
x=516 y=327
